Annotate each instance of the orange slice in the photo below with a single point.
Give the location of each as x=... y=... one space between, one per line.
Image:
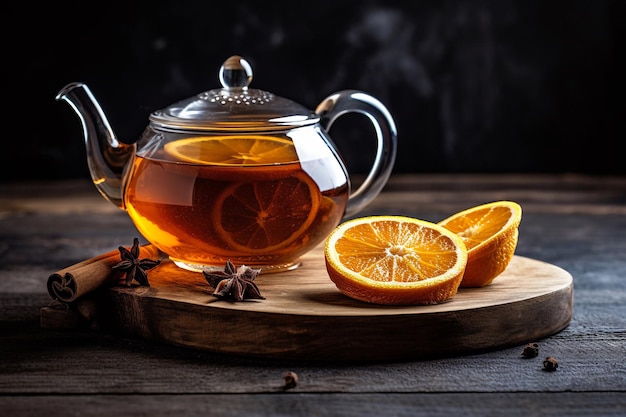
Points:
x=269 y=204
x=395 y=260
x=233 y=150
x=490 y=232
x=266 y=216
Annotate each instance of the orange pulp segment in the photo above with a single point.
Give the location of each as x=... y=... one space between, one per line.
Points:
x=395 y=260
x=490 y=232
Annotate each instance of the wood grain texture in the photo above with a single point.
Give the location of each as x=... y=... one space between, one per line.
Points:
x=304 y=316
x=327 y=404
x=576 y=222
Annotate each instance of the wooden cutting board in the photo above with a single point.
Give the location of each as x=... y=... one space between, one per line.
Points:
x=305 y=317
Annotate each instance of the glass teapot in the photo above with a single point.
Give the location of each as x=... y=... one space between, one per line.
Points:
x=234 y=173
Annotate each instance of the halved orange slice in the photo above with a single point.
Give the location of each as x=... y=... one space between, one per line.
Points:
x=395 y=260
x=490 y=232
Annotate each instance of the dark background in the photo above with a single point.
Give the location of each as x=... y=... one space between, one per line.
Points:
x=474 y=86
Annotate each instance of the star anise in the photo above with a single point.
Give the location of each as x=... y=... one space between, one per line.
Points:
x=134 y=267
x=234 y=284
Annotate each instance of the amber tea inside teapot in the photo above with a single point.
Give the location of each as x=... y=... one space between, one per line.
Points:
x=234 y=173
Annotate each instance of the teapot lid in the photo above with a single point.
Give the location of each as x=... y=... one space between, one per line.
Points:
x=234 y=107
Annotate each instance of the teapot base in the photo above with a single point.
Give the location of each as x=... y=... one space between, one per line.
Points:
x=265 y=269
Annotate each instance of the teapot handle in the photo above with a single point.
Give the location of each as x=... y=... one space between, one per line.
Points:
x=348 y=101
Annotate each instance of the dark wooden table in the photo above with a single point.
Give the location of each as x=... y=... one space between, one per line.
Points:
x=575 y=222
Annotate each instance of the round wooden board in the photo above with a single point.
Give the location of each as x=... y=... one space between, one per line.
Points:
x=305 y=317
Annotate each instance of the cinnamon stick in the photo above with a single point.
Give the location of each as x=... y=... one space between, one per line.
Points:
x=75 y=281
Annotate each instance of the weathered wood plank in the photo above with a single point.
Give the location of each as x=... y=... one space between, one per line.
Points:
x=325 y=404
x=36 y=361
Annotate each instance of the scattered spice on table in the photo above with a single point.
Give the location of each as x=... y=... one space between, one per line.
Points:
x=291 y=380
x=550 y=364
x=531 y=350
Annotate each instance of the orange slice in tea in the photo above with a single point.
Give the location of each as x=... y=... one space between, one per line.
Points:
x=233 y=150
x=395 y=260
x=266 y=216
x=270 y=202
x=490 y=232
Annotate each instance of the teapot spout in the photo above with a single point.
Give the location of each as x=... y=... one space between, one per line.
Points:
x=107 y=158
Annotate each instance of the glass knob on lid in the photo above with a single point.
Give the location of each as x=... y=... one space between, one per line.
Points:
x=236 y=72
x=234 y=107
